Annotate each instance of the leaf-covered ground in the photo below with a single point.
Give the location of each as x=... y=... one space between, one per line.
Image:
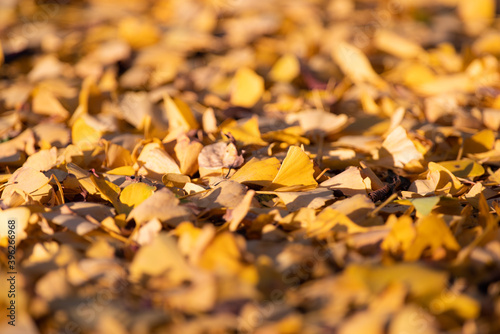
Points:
x=240 y=166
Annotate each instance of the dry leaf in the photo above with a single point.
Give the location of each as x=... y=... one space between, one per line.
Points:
x=247 y=88
x=296 y=170
x=162 y=205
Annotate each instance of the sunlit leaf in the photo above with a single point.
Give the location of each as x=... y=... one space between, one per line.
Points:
x=247 y=88
x=433 y=233
x=296 y=170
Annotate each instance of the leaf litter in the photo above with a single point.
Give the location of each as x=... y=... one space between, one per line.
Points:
x=223 y=166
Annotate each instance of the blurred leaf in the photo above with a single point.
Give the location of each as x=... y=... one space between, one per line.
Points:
x=247 y=88
x=432 y=232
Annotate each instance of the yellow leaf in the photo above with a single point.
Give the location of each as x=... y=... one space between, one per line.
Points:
x=356 y=65
x=296 y=170
x=350 y=182
x=285 y=69
x=124 y=170
x=416 y=74
x=445 y=180
x=117 y=156
x=83 y=178
x=463 y=305
x=477 y=15
x=240 y=211
x=319 y=122
x=134 y=194
x=223 y=256
x=108 y=191
x=187 y=152
x=30 y=182
x=154 y=161
x=152 y=260
x=433 y=233
x=487 y=43
x=89 y=100
x=314 y=198
x=331 y=221
x=465 y=168
x=16 y=220
x=138 y=33
x=401 y=236
x=258 y=172
x=247 y=88
x=245 y=132
x=400 y=148
x=290 y=135
x=45 y=103
x=424 y=205
x=83 y=135
x=480 y=142
x=162 y=205
x=396 y=45
x=179 y=114
x=420 y=280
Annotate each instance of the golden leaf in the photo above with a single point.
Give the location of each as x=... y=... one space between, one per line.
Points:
x=296 y=170
x=247 y=88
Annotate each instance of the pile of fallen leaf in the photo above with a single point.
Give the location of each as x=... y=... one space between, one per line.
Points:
x=227 y=166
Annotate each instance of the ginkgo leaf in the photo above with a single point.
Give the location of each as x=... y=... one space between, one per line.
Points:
x=401 y=235
x=134 y=194
x=179 y=114
x=396 y=45
x=46 y=103
x=213 y=158
x=82 y=177
x=247 y=88
x=445 y=180
x=117 y=156
x=433 y=233
x=258 y=172
x=30 y=182
x=285 y=69
x=400 y=148
x=423 y=205
x=315 y=198
x=350 y=182
x=162 y=205
x=356 y=65
x=319 y=122
x=331 y=221
x=124 y=170
x=83 y=135
x=154 y=161
x=187 y=152
x=240 y=211
x=108 y=191
x=223 y=256
x=480 y=142
x=465 y=168
x=245 y=132
x=296 y=170
x=151 y=260
x=291 y=135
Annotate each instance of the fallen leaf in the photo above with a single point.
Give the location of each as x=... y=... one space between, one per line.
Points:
x=432 y=232
x=247 y=88
x=296 y=170
x=162 y=205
